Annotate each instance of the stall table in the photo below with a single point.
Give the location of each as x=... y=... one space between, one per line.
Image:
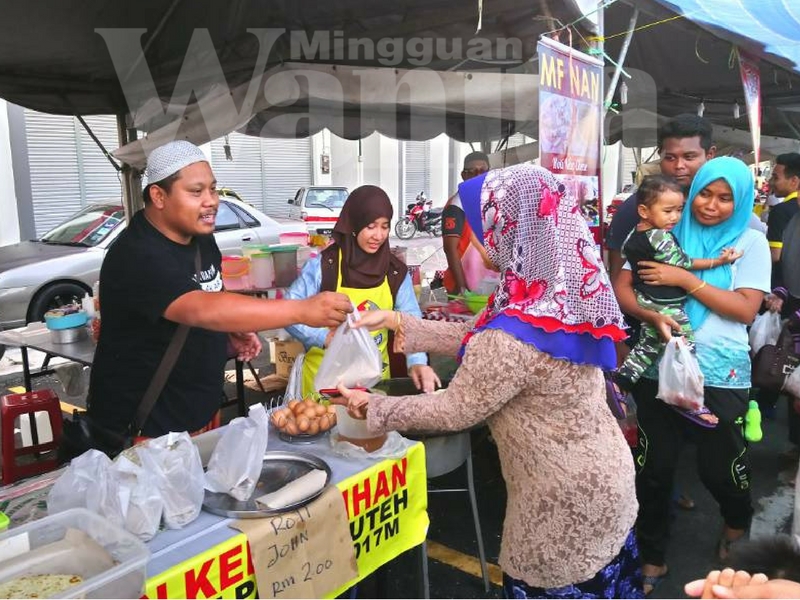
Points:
x=386 y=502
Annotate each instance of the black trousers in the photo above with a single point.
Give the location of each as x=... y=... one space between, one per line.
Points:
x=722 y=462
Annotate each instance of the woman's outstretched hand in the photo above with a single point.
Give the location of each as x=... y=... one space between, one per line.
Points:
x=356 y=401
x=424 y=378
x=376 y=319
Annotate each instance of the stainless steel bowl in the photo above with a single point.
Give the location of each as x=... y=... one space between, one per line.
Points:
x=68 y=336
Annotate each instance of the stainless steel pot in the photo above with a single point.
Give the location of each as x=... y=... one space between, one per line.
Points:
x=68 y=336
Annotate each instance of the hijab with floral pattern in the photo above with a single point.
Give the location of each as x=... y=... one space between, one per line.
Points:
x=554 y=291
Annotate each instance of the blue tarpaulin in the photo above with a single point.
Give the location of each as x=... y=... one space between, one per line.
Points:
x=773 y=25
x=683 y=53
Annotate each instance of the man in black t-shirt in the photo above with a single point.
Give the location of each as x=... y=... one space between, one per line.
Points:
x=783 y=236
x=455 y=231
x=784 y=182
x=149 y=285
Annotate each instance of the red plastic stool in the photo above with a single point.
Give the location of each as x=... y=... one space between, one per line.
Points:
x=14 y=405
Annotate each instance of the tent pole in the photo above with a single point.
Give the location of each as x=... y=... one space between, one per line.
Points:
x=132 y=199
x=623 y=52
x=99 y=144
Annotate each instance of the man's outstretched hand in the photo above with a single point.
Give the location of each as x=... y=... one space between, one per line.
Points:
x=326 y=309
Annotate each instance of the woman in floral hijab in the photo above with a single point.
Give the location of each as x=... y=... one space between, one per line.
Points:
x=531 y=368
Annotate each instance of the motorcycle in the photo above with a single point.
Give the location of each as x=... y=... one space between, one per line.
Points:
x=419 y=217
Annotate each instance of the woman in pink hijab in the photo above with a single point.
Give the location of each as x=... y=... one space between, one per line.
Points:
x=531 y=367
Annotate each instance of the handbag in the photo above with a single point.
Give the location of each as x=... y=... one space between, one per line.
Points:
x=773 y=363
x=84 y=433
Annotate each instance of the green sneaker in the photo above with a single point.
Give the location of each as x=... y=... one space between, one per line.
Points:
x=752 y=423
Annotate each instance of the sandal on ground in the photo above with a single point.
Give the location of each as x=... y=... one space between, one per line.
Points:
x=615 y=398
x=652 y=581
x=695 y=416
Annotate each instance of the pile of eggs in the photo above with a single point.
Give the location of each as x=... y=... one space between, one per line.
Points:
x=304 y=417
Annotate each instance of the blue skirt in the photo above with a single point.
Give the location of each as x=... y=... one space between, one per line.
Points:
x=621 y=578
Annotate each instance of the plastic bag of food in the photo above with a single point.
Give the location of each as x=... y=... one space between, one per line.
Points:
x=680 y=381
x=235 y=465
x=88 y=482
x=139 y=497
x=352 y=358
x=175 y=462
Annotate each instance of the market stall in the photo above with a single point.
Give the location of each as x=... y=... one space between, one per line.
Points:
x=385 y=504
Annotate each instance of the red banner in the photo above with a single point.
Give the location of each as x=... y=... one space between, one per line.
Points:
x=751 y=82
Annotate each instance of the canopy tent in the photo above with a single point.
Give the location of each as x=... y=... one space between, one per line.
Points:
x=682 y=53
x=353 y=102
x=639 y=126
x=85 y=56
x=155 y=64
x=686 y=33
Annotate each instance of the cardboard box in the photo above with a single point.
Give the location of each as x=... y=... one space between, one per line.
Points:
x=285 y=353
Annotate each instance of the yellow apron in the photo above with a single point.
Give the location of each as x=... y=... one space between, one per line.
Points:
x=377 y=298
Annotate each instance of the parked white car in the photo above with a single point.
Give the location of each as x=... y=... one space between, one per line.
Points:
x=61 y=266
x=318 y=206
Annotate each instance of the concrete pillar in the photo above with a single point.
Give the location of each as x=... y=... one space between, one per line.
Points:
x=321 y=146
x=9 y=223
x=345 y=166
x=440 y=170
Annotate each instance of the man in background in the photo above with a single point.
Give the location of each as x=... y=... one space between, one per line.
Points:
x=684 y=144
x=783 y=235
x=462 y=256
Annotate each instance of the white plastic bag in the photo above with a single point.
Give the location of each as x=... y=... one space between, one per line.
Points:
x=765 y=330
x=680 y=381
x=89 y=483
x=352 y=358
x=294 y=387
x=235 y=465
x=139 y=496
x=175 y=462
x=791 y=385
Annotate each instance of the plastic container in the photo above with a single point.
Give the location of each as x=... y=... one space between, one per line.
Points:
x=294 y=237
x=76 y=319
x=236 y=272
x=285 y=260
x=355 y=431
x=262 y=270
x=475 y=302
x=248 y=250
x=125 y=579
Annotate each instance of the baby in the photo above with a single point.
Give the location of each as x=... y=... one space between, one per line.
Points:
x=660 y=203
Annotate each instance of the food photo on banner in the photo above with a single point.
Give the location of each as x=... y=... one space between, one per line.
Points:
x=570 y=92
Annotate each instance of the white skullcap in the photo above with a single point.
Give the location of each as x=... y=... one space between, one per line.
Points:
x=170 y=158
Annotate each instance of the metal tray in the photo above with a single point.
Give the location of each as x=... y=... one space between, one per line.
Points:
x=278 y=469
x=302 y=438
